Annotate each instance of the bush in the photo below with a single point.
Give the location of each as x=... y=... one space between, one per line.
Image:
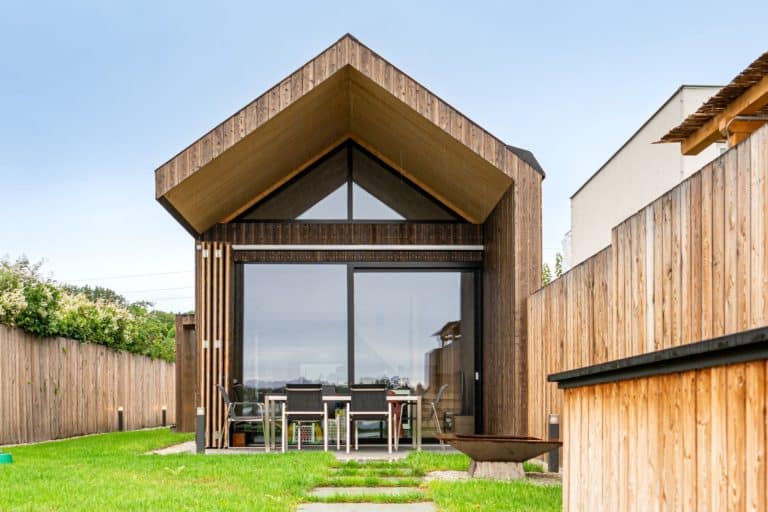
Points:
x=43 y=308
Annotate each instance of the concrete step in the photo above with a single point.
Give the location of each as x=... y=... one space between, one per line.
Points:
x=325 y=492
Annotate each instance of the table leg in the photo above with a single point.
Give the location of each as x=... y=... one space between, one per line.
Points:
x=273 y=426
x=266 y=425
x=418 y=422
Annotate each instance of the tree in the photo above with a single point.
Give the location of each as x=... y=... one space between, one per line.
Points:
x=546 y=274
x=546 y=271
x=558 y=265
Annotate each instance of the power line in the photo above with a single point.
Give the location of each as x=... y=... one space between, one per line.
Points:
x=191 y=287
x=105 y=278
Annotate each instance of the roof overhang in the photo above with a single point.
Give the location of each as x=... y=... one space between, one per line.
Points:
x=736 y=111
x=347 y=92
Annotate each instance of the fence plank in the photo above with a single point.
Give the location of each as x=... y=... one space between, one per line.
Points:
x=54 y=388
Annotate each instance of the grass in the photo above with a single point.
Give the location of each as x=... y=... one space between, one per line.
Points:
x=112 y=472
x=474 y=495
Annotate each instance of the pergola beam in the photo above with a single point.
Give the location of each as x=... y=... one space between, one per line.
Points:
x=753 y=99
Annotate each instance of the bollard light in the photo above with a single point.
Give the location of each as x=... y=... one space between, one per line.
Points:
x=200 y=430
x=553 y=462
x=164 y=411
x=120 y=419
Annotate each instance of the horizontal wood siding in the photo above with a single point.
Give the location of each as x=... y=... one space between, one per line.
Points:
x=55 y=387
x=358 y=256
x=686 y=441
x=691 y=265
x=417 y=233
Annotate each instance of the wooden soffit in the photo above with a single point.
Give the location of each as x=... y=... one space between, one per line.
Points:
x=737 y=110
x=347 y=92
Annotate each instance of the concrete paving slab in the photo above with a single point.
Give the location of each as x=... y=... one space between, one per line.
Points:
x=324 y=492
x=186 y=447
x=367 y=507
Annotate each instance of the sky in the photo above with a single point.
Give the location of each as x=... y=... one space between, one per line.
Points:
x=95 y=95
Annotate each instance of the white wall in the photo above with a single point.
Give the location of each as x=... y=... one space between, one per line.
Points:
x=637 y=174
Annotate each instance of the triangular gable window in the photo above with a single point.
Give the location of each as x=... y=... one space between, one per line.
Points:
x=349 y=184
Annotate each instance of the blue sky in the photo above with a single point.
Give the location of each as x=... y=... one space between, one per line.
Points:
x=95 y=95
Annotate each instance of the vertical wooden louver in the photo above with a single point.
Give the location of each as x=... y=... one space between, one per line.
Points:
x=214 y=337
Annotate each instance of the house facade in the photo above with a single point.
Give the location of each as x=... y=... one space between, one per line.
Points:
x=351 y=227
x=635 y=175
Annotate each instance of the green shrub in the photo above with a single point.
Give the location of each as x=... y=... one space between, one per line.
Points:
x=94 y=315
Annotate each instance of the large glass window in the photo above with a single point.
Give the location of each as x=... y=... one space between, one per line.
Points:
x=413 y=329
x=294 y=326
x=349 y=183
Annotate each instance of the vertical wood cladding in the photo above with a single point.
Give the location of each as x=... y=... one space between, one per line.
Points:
x=691 y=265
x=511 y=271
x=692 y=440
x=186 y=372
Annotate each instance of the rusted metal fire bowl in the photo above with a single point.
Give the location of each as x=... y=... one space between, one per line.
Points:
x=499 y=448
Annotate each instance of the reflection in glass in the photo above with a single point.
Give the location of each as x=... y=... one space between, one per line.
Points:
x=414 y=331
x=294 y=326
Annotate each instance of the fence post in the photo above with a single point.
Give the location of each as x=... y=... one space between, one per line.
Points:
x=200 y=430
x=554 y=434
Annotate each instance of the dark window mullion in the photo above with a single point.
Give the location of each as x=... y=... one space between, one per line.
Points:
x=350 y=324
x=350 y=206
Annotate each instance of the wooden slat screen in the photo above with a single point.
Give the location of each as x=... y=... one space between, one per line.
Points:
x=214 y=333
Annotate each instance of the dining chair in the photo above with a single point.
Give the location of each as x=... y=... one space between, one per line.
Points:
x=240 y=412
x=304 y=404
x=368 y=402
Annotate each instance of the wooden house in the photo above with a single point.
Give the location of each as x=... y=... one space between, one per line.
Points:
x=340 y=219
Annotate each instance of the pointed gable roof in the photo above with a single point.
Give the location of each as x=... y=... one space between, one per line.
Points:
x=346 y=92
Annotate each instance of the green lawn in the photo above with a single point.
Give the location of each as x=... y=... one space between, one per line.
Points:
x=111 y=472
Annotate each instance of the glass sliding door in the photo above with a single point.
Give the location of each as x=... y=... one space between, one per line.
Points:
x=415 y=331
x=294 y=326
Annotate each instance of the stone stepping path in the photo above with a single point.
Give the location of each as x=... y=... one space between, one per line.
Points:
x=325 y=492
x=368 y=507
x=334 y=496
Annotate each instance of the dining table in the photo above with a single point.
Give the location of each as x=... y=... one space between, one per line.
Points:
x=270 y=419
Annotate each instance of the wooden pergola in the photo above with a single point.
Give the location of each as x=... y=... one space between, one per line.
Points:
x=731 y=115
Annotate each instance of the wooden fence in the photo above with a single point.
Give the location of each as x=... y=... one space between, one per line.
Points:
x=692 y=440
x=54 y=388
x=691 y=265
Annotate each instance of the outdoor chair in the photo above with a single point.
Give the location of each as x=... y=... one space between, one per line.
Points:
x=433 y=408
x=434 y=404
x=304 y=404
x=369 y=402
x=240 y=412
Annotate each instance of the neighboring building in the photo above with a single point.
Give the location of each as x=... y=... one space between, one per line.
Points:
x=342 y=218
x=635 y=175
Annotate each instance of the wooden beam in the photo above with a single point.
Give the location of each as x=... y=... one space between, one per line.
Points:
x=752 y=100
